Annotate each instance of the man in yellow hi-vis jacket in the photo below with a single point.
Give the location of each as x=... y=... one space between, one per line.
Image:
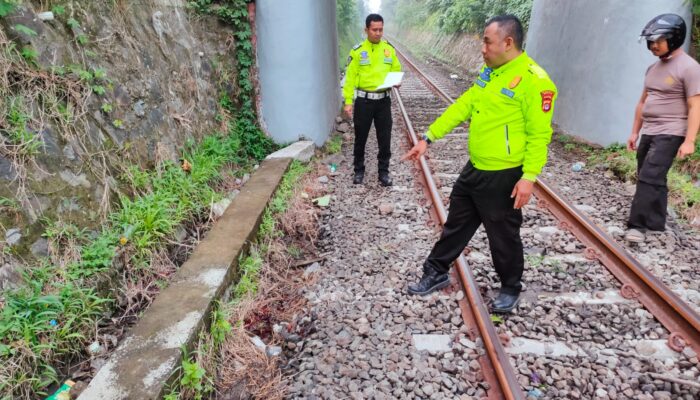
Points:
x=368 y=64
x=510 y=107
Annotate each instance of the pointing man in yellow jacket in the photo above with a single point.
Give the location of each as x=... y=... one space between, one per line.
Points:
x=510 y=108
x=368 y=64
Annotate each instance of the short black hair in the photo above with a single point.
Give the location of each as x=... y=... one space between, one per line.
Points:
x=511 y=26
x=373 y=18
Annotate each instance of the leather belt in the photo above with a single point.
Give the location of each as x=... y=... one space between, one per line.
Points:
x=373 y=95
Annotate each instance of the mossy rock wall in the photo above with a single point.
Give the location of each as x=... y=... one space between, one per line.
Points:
x=158 y=73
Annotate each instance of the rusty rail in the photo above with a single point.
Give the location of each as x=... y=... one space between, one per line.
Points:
x=637 y=282
x=496 y=365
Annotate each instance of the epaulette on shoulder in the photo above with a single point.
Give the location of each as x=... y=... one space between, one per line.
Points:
x=538 y=71
x=357 y=46
x=389 y=43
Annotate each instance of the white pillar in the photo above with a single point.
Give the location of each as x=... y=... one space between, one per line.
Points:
x=297 y=49
x=590 y=49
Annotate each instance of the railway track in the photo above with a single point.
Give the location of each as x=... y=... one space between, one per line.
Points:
x=421 y=103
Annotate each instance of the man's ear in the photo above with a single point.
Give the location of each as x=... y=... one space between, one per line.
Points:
x=510 y=43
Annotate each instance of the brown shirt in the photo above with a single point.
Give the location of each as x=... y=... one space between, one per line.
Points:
x=668 y=85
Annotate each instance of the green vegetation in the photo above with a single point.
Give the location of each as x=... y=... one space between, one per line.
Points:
x=334 y=144
x=62 y=295
x=40 y=99
x=244 y=125
x=23 y=141
x=684 y=196
x=250 y=266
x=534 y=260
x=24 y=30
x=7 y=6
x=196 y=372
x=453 y=16
x=73 y=23
x=47 y=324
x=349 y=24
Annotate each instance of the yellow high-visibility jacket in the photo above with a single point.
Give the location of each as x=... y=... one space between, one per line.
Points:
x=368 y=65
x=510 y=109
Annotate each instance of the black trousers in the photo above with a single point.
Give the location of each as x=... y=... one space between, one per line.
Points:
x=655 y=155
x=483 y=197
x=366 y=111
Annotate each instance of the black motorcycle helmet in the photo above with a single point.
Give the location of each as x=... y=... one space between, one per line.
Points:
x=668 y=26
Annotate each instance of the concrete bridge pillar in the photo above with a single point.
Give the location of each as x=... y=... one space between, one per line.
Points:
x=297 y=47
x=591 y=51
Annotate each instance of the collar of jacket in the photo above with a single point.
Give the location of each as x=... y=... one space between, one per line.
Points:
x=514 y=63
x=370 y=44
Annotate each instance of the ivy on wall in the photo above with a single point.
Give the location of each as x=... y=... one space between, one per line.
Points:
x=235 y=13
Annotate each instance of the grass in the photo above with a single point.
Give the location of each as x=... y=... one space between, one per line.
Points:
x=196 y=371
x=46 y=325
x=684 y=196
x=535 y=260
x=347 y=39
x=334 y=144
x=268 y=230
x=32 y=348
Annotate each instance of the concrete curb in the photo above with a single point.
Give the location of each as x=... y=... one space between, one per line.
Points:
x=143 y=364
x=302 y=151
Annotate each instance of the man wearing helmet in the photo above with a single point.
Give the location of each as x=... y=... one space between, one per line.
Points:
x=668 y=119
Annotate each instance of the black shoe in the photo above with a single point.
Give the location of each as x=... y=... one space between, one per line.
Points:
x=505 y=303
x=430 y=282
x=359 y=177
x=385 y=179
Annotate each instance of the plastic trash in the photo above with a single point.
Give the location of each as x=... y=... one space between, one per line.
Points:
x=63 y=393
x=273 y=351
x=535 y=393
x=258 y=343
x=45 y=16
x=333 y=167
x=323 y=201
x=95 y=348
x=578 y=166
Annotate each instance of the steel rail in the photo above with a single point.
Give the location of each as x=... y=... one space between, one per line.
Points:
x=637 y=282
x=497 y=361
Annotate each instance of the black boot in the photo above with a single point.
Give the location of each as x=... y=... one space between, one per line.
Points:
x=430 y=282
x=385 y=179
x=359 y=177
x=505 y=303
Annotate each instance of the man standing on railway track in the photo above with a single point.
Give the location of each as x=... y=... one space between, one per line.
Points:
x=668 y=118
x=369 y=63
x=510 y=108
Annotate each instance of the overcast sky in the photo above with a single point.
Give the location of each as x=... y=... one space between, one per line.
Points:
x=373 y=6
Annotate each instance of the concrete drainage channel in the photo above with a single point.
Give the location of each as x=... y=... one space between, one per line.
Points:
x=143 y=365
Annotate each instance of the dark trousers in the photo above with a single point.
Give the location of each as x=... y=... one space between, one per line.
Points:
x=483 y=197
x=365 y=112
x=655 y=155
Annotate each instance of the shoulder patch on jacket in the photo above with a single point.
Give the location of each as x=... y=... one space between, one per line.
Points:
x=357 y=46
x=537 y=70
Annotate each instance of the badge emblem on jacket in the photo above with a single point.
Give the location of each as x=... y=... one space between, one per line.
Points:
x=547 y=97
x=515 y=82
x=364 y=58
